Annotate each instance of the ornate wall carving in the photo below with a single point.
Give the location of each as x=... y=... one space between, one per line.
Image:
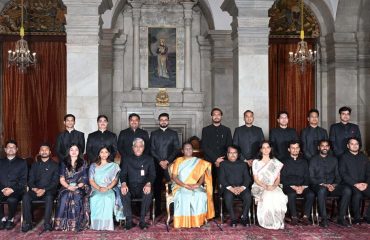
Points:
x=40 y=16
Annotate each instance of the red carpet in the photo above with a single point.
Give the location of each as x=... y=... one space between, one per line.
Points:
x=207 y=232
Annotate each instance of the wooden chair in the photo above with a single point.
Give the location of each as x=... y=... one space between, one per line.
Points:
x=169 y=197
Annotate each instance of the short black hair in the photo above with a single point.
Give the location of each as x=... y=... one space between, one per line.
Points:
x=102 y=116
x=345 y=108
x=216 y=109
x=11 y=141
x=45 y=144
x=313 y=110
x=69 y=115
x=164 y=115
x=293 y=142
x=353 y=138
x=281 y=113
x=233 y=146
x=248 y=111
x=133 y=115
x=323 y=140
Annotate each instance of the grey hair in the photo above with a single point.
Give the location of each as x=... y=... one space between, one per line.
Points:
x=138 y=140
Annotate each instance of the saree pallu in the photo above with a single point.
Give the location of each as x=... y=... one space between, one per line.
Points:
x=105 y=205
x=192 y=208
x=271 y=205
x=72 y=213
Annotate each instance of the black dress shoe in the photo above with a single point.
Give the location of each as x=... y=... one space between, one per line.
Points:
x=324 y=223
x=143 y=225
x=294 y=221
x=9 y=225
x=245 y=222
x=343 y=223
x=356 y=222
x=2 y=225
x=233 y=223
x=49 y=228
x=26 y=227
x=305 y=221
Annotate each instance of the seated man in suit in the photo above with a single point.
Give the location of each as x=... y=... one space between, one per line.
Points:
x=325 y=181
x=235 y=181
x=43 y=183
x=137 y=177
x=295 y=177
x=13 y=180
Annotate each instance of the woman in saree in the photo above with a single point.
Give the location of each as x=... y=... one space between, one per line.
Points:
x=105 y=201
x=270 y=199
x=72 y=210
x=193 y=203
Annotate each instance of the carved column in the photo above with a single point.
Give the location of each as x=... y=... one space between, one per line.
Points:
x=250 y=49
x=136 y=14
x=188 y=17
x=83 y=61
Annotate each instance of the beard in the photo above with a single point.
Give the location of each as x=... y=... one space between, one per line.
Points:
x=163 y=125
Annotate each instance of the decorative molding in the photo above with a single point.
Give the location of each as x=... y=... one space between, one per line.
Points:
x=41 y=16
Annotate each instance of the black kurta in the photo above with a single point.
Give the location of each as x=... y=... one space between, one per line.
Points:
x=64 y=141
x=137 y=171
x=280 y=138
x=354 y=168
x=13 y=174
x=324 y=170
x=234 y=174
x=215 y=141
x=164 y=145
x=126 y=138
x=339 y=135
x=310 y=138
x=249 y=140
x=44 y=175
x=98 y=139
x=295 y=172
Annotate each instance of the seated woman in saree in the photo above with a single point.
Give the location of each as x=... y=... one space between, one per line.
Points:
x=105 y=200
x=270 y=199
x=193 y=203
x=72 y=212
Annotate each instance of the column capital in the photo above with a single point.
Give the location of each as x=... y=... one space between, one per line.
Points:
x=188 y=8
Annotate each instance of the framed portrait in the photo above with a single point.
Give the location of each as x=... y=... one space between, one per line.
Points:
x=162 y=57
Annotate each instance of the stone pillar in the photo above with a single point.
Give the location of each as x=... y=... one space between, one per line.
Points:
x=106 y=72
x=250 y=50
x=188 y=17
x=222 y=74
x=83 y=62
x=136 y=14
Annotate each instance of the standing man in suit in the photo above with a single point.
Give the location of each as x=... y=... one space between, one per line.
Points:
x=67 y=137
x=164 y=147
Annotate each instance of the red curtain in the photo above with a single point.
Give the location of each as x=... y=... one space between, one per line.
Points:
x=289 y=88
x=34 y=103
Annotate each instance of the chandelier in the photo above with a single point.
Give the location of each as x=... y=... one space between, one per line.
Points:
x=21 y=57
x=302 y=55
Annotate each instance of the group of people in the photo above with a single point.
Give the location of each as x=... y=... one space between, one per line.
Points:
x=93 y=193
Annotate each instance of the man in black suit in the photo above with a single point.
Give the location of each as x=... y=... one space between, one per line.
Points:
x=67 y=137
x=137 y=177
x=164 y=147
x=235 y=181
x=42 y=185
x=342 y=131
x=100 y=138
x=249 y=138
x=13 y=181
x=127 y=136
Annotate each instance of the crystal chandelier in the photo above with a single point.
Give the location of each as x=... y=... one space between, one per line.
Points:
x=21 y=57
x=302 y=55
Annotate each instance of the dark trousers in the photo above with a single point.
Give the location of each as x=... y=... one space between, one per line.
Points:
x=357 y=196
x=12 y=201
x=30 y=196
x=136 y=192
x=159 y=186
x=308 y=196
x=342 y=191
x=229 y=197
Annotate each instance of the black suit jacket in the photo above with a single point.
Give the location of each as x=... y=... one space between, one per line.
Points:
x=164 y=145
x=98 y=139
x=64 y=141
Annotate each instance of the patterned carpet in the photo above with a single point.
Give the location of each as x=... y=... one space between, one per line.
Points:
x=211 y=231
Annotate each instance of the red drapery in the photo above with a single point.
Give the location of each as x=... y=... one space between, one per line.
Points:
x=34 y=103
x=289 y=88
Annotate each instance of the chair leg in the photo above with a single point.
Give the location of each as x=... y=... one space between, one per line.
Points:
x=312 y=216
x=349 y=216
x=333 y=206
x=21 y=213
x=255 y=212
x=317 y=211
x=168 y=213
x=153 y=213
x=221 y=211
